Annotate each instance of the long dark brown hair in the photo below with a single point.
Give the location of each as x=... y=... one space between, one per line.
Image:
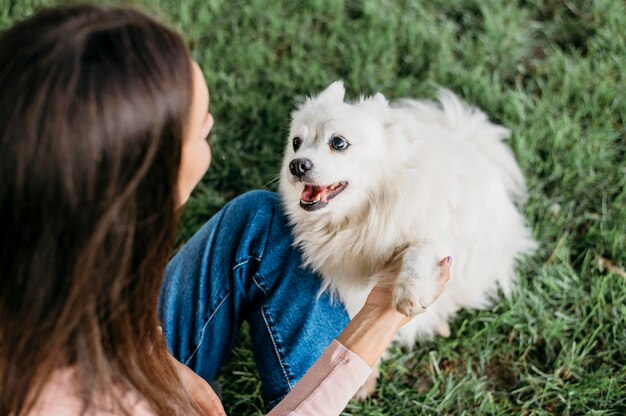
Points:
x=93 y=106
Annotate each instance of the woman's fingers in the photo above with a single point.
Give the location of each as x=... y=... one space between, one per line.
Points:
x=444 y=274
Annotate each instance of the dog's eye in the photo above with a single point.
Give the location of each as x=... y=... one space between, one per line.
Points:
x=339 y=143
x=296 y=142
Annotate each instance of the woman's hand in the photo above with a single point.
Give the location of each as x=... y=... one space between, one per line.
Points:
x=199 y=390
x=380 y=296
x=373 y=328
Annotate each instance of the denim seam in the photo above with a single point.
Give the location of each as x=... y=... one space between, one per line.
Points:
x=243 y=262
x=256 y=282
x=269 y=330
x=282 y=366
x=269 y=228
x=217 y=308
x=268 y=326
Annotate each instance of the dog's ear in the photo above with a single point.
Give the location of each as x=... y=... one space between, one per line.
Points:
x=377 y=103
x=335 y=92
x=380 y=99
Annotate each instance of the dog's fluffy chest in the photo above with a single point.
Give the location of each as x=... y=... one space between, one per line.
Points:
x=354 y=251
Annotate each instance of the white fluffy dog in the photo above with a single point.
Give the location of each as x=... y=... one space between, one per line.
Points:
x=372 y=187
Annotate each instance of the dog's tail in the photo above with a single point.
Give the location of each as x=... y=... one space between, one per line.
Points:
x=465 y=123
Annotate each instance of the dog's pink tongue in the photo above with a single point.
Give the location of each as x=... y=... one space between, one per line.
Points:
x=310 y=192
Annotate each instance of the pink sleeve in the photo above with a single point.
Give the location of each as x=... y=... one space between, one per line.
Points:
x=328 y=386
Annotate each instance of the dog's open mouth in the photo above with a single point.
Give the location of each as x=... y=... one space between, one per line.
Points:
x=314 y=197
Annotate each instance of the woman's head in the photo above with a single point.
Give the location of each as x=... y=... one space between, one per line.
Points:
x=196 y=153
x=95 y=105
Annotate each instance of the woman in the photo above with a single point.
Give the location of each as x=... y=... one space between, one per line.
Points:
x=103 y=120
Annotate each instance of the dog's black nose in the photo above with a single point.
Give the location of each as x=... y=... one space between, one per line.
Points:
x=300 y=167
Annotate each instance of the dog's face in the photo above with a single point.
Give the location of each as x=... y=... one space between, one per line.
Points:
x=336 y=154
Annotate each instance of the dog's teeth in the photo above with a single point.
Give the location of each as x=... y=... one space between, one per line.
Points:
x=318 y=197
x=302 y=201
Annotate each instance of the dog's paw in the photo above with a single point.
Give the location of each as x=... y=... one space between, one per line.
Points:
x=411 y=296
x=443 y=329
x=404 y=301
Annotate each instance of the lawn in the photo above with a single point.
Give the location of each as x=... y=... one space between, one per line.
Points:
x=553 y=72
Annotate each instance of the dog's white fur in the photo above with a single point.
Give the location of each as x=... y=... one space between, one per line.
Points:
x=426 y=180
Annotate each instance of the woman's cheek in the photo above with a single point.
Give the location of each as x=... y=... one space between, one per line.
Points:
x=201 y=157
x=207 y=152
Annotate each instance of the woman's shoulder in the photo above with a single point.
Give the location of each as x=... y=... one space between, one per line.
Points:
x=62 y=396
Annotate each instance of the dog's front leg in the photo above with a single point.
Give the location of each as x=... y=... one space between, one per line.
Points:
x=418 y=280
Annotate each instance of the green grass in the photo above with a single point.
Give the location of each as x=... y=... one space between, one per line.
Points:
x=553 y=72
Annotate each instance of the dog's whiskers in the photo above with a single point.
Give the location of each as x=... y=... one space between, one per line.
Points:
x=272 y=183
